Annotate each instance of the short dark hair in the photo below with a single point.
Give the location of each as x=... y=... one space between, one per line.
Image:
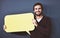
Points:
x=38 y=4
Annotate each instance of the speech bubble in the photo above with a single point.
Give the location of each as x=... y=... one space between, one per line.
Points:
x=19 y=22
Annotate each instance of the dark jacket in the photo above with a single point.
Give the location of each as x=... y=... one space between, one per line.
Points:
x=43 y=30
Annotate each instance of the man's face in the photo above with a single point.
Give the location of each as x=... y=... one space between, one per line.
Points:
x=37 y=10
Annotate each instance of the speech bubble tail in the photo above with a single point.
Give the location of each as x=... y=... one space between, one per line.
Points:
x=28 y=32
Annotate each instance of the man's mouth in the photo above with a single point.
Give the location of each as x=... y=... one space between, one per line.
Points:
x=38 y=11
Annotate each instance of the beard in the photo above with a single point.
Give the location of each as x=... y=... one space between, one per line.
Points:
x=38 y=14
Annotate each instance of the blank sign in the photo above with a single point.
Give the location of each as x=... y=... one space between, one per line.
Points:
x=19 y=22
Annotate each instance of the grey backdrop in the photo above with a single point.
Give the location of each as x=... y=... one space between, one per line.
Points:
x=51 y=9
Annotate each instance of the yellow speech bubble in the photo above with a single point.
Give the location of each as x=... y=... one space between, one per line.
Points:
x=19 y=22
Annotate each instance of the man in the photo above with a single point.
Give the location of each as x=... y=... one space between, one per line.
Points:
x=42 y=23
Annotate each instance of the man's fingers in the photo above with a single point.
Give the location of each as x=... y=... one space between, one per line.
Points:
x=5 y=27
x=34 y=22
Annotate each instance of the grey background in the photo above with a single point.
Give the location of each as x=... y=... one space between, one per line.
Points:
x=51 y=9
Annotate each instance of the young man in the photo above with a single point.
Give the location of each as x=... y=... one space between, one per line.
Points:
x=42 y=23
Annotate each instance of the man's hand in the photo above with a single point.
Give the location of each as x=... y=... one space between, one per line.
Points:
x=34 y=22
x=4 y=27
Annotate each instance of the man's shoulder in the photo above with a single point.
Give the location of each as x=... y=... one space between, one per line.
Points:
x=47 y=17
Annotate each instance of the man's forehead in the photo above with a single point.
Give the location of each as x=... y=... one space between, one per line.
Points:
x=37 y=6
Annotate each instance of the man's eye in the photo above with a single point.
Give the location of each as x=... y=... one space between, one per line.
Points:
x=36 y=8
x=39 y=8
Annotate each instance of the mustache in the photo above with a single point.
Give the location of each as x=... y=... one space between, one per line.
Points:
x=37 y=11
